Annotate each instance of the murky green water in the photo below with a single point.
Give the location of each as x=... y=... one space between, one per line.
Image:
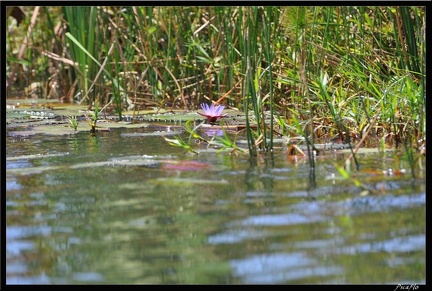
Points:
x=211 y=219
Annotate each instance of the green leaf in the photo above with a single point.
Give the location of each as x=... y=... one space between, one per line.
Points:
x=21 y=62
x=78 y=44
x=343 y=172
x=152 y=29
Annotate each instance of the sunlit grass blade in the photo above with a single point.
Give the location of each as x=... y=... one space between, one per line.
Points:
x=179 y=142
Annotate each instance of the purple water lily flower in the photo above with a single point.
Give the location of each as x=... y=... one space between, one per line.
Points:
x=211 y=112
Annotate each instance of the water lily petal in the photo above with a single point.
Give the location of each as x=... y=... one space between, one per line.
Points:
x=212 y=112
x=212 y=109
x=204 y=107
x=219 y=110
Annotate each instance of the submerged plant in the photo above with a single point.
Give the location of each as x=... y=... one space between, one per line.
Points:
x=212 y=113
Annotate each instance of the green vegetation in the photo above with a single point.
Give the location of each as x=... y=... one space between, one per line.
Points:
x=73 y=122
x=322 y=73
x=94 y=118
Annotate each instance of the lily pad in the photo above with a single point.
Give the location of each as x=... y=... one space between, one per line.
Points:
x=120 y=124
x=63 y=128
x=182 y=116
x=17 y=115
x=145 y=112
x=171 y=117
x=70 y=110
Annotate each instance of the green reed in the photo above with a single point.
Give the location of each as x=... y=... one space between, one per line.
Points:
x=270 y=59
x=258 y=84
x=82 y=25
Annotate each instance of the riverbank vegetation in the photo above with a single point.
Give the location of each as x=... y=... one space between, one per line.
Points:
x=351 y=74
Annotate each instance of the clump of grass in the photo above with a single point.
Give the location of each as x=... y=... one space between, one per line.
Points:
x=73 y=122
x=92 y=120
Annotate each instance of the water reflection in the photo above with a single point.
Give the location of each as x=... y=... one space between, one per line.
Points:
x=230 y=219
x=277 y=268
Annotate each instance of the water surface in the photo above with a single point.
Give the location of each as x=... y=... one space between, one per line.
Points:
x=78 y=215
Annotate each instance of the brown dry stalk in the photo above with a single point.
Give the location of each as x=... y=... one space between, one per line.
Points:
x=32 y=24
x=58 y=58
x=178 y=87
x=22 y=50
x=400 y=30
x=207 y=22
x=97 y=76
x=363 y=139
x=226 y=94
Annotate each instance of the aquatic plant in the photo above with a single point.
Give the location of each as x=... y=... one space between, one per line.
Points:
x=94 y=117
x=179 y=142
x=269 y=62
x=346 y=175
x=225 y=143
x=84 y=44
x=73 y=122
x=212 y=112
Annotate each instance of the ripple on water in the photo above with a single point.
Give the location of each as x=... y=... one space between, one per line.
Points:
x=280 y=267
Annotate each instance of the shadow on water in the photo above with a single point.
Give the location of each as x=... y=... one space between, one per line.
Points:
x=123 y=208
